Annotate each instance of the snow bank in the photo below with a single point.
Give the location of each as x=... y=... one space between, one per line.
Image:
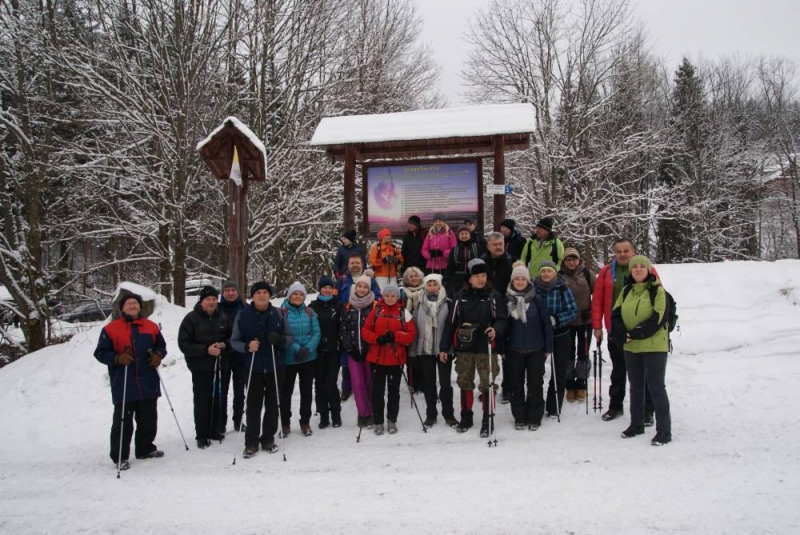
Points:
x=732 y=467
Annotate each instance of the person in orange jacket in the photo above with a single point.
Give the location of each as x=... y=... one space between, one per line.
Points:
x=388 y=329
x=385 y=258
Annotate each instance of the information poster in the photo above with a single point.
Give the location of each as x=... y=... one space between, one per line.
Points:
x=394 y=193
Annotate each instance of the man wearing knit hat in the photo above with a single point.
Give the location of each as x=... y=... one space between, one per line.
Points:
x=412 y=245
x=543 y=245
x=514 y=242
x=261 y=332
x=345 y=250
x=479 y=318
x=204 y=338
x=131 y=339
x=231 y=304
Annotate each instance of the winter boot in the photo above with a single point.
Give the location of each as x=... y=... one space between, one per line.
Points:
x=203 y=443
x=324 y=421
x=336 y=419
x=519 y=426
x=369 y=422
x=485 y=420
x=270 y=447
x=649 y=419
x=633 y=431
x=580 y=394
x=250 y=452
x=571 y=395
x=378 y=430
x=286 y=430
x=306 y=430
x=533 y=427
x=451 y=422
x=430 y=422
x=661 y=439
x=612 y=414
x=392 y=427
x=505 y=397
x=124 y=465
x=155 y=454
x=466 y=422
x=345 y=396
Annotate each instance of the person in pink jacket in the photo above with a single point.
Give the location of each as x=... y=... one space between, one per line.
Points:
x=437 y=245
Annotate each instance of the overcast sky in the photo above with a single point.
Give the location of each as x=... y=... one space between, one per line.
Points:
x=678 y=27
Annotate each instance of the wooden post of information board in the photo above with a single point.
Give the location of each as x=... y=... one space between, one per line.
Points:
x=499 y=178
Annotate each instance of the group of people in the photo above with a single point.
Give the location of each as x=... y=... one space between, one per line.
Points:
x=465 y=301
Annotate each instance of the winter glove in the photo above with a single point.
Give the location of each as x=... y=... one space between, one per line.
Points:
x=387 y=338
x=274 y=338
x=386 y=260
x=302 y=354
x=123 y=359
x=155 y=358
x=395 y=261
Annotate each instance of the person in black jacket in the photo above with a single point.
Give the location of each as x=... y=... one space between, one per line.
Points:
x=204 y=338
x=412 y=245
x=514 y=241
x=499 y=265
x=456 y=274
x=329 y=313
x=231 y=304
x=478 y=318
x=479 y=239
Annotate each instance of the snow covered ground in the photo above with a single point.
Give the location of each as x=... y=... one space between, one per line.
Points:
x=733 y=467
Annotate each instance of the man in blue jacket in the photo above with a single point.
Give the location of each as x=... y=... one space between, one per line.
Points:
x=261 y=332
x=231 y=304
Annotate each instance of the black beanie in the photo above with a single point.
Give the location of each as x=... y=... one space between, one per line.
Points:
x=260 y=285
x=415 y=220
x=546 y=223
x=510 y=224
x=129 y=296
x=349 y=234
x=325 y=281
x=208 y=291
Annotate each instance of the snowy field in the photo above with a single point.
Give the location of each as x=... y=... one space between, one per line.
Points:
x=733 y=466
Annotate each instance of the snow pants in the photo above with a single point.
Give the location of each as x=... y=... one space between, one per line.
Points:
x=145 y=411
x=526 y=369
x=306 y=372
x=207 y=407
x=430 y=366
x=326 y=389
x=650 y=369
x=361 y=378
x=386 y=378
x=262 y=393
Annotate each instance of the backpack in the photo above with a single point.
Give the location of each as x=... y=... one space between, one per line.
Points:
x=671 y=312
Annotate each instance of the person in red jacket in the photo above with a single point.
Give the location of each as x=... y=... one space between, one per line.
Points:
x=608 y=286
x=388 y=330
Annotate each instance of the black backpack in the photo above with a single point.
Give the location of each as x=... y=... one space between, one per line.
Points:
x=670 y=314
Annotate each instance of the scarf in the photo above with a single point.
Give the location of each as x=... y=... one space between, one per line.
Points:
x=430 y=307
x=518 y=302
x=546 y=286
x=413 y=295
x=360 y=303
x=323 y=298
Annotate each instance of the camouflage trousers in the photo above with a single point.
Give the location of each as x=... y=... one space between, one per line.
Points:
x=466 y=366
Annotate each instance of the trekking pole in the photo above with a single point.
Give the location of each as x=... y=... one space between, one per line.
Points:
x=555 y=384
x=278 y=399
x=600 y=365
x=213 y=395
x=413 y=401
x=172 y=409
x=594 y=381
x=246 y=389
x=491 y=403
x=122 y=420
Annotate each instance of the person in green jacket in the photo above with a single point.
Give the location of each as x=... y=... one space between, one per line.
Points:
x=638 y=325
x=543 y=245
